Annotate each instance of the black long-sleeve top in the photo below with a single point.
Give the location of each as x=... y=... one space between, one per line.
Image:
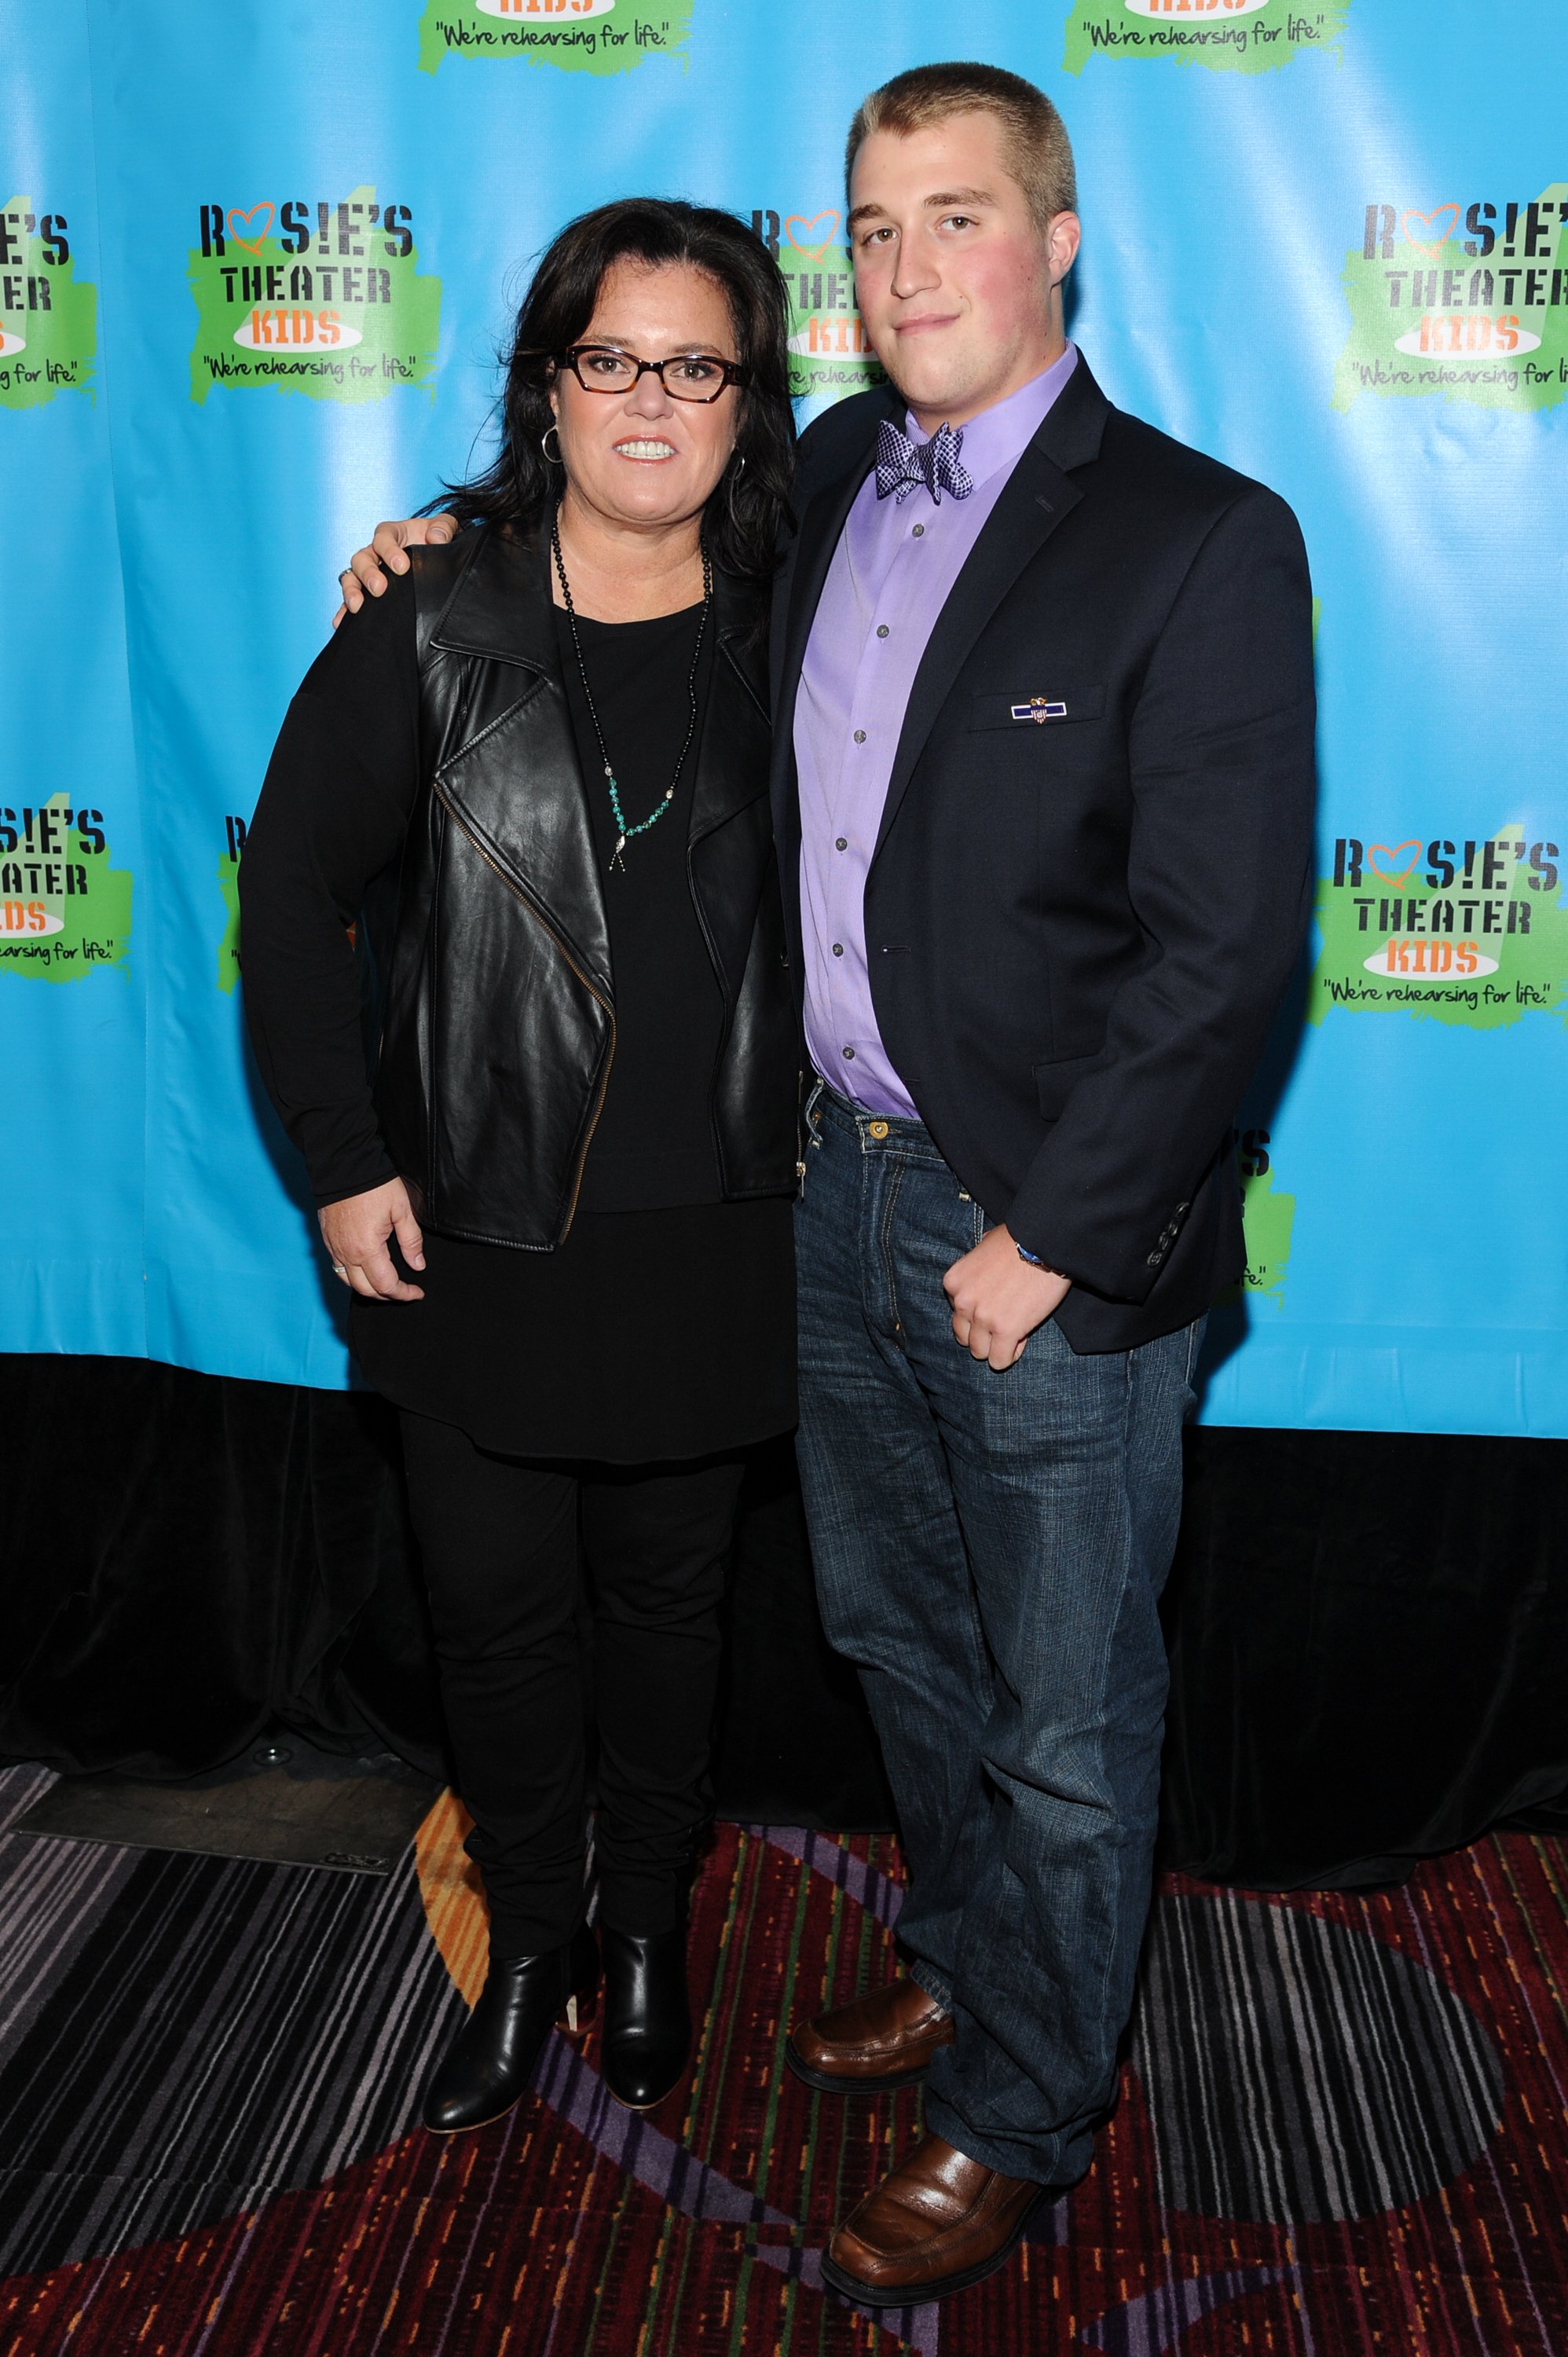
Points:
x=600 y=1349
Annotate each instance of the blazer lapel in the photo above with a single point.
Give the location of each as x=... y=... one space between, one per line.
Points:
x=732 y=750
x=822 y=528
x=1037 y=495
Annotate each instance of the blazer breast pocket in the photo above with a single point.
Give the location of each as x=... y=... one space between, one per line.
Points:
x=1037 y=710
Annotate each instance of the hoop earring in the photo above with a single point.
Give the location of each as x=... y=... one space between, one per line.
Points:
x=553 y=456
x=730 y=482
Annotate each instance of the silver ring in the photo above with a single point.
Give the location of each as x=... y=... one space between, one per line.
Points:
x=338 y=1269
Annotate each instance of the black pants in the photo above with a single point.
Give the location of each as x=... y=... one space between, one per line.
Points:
x=499 y=1540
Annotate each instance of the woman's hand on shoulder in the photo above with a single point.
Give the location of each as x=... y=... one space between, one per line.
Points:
x=355 y=1233
x=388 y=546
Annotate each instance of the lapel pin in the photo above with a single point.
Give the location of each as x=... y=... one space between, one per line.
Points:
x=1037 y=709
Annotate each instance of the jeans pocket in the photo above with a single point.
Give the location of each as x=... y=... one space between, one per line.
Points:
x=811 y=1133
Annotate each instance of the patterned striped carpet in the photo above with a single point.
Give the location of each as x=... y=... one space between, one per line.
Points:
x=1342 y=2124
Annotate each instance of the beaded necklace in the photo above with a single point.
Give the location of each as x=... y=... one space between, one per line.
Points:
x=626 y=833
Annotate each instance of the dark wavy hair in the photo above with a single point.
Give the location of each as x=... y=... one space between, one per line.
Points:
x=749 y=505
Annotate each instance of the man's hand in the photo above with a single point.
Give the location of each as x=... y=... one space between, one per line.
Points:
x=355 y=1233
x=998 y=1299
x=363 y=570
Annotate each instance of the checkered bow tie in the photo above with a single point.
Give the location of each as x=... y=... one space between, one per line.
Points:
x=903 y=464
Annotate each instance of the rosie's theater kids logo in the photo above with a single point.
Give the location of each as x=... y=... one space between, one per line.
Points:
x=65 y=909
x=598 y=37
x=322 y=297
x=1470 y=301
x=1470 y=932
x=49 y=318
x=829 y=349
x=1247 y=35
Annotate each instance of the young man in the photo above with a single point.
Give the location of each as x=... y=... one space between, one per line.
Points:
x=1044 y=768
x=1044 y=779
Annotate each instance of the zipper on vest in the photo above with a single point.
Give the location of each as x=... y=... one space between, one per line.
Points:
x=598 y=997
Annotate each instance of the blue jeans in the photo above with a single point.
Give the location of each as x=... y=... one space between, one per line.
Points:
x=990 y=1551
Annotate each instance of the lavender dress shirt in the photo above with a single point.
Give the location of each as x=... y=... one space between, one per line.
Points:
x=886 y=587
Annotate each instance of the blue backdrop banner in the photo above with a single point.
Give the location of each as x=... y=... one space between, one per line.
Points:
x=255 y=265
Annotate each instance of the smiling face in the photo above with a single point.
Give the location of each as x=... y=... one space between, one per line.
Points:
x=958 y=285
x=642 y=459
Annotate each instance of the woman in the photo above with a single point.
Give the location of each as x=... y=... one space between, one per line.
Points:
x=536 y=769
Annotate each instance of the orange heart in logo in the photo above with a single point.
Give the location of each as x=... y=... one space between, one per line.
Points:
x=1447 y=214
x=803 y=245
x=240 y=222
x=1393 y=852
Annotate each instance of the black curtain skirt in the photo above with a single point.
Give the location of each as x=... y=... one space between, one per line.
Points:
x=196 y=1559
x=1369 y=1632
x=1369 y=1637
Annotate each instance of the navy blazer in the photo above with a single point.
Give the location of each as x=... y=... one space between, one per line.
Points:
x=1079 y=927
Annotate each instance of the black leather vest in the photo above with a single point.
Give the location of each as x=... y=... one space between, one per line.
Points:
x=490 y=941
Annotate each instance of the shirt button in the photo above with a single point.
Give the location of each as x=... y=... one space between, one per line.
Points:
x=860 y=736
x=843 y=842
x=920 y=531
x=882 y=629
x=838 y=949
x=850 y=1053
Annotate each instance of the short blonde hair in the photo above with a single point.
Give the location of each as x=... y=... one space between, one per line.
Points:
x=1035 y=140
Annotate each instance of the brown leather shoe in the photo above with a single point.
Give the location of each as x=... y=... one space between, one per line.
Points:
x=940 y=2223
x=875 y=2043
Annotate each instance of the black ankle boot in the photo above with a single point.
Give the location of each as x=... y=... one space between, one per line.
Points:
x=648 y=2017
x=491 y=2060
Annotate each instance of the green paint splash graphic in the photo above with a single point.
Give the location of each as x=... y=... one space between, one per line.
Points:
x=576 y=36
x=65 y=909
x=1228 y=36
x=228 y=947
x=49 y=318
x=276 y=321
x=1267 y=1220
x=1483 y=325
